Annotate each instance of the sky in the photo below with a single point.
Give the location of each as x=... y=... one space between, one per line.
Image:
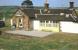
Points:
x=53 y=3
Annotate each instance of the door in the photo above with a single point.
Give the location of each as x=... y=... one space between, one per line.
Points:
x=20 y=23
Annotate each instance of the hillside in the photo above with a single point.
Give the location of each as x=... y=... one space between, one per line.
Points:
x=7 y=11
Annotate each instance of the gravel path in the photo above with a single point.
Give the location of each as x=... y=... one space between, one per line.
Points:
x=30 y=33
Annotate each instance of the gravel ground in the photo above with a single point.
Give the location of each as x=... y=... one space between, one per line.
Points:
x=30 y=33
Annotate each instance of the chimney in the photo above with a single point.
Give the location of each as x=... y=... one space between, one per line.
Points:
x=72 y=4
x=46 y=6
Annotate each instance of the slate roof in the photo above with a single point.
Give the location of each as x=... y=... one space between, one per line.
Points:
x=54 y=14
x=29 y=12
x=39 y=11
x=54 y=18
x=57 y=11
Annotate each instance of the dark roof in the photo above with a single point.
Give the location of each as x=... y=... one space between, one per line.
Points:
x=37 y=11
x=51 y=11
x=57 y=11
x=32 y=11
x=29 y=12
x=54 y=18
x=54 y=14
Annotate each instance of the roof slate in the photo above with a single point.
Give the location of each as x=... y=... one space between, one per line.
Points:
x=29 y=12
x=39 y=11
x=54 y=18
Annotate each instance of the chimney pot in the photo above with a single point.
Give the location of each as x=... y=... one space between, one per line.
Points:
x=46 y=5
x=71 y=4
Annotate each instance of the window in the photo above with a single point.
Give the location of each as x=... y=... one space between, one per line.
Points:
x=20 y=20
x=67 y=15
x=61 y=13
x=42 y=23
x=48 y=23
x=55 y=23
x=19 y=13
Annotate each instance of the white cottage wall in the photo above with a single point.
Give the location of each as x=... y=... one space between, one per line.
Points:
x=36 y=24
x=69 y=27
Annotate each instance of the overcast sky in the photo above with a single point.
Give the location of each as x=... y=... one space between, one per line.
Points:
x=53 y=3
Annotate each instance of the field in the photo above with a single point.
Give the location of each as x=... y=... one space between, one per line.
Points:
x=58 y=41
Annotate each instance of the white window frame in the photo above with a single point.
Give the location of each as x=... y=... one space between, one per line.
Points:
x=49 y=24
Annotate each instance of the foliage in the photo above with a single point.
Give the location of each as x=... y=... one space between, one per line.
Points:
x=7 y=11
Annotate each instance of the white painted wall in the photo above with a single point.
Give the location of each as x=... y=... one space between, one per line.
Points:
x=36 y=24
x=11 y=22
x=69 y=27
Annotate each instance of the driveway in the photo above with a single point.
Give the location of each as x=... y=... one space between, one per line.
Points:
x=30 y=33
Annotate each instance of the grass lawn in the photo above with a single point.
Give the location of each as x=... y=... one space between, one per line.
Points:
x=58 y=41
